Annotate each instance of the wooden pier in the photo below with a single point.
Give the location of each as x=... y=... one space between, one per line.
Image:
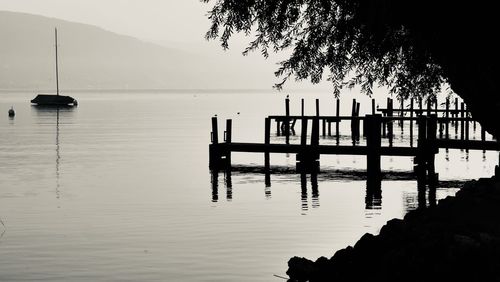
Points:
x=433 y=133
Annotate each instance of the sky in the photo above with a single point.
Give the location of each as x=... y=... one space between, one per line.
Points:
x=180 y=24
x=177 y=21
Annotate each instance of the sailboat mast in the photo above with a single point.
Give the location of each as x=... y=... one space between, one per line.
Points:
x=57 y=68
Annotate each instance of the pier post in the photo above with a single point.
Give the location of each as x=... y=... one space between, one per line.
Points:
x=337 y=123
x=308 y=157
x=447 y=120
x=287 y=121
x=229 y=139
x=420 y=159
x=315 y=132
x=462 y=122
x=467 y=123
x=324 y=126
x=329 y=128
x=215 y=131
x=303 y=134
x=390 y=125
x=358 y=121
x=353 y=121
x=314 y=155
x=474 y=122
x=384 y=121
x=373 y=142
x=431 y=149
x=302 y=156
x=401 y=114
x=267 y=141
x=436 y=105
x=214 y=149
x=411 y=121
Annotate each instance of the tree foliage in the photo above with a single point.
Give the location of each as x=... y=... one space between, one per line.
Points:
x=391 y=43
x=353 y=42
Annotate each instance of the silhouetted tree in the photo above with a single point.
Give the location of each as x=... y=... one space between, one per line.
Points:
x=412 y=47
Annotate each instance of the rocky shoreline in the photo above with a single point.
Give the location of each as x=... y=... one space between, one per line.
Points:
x=456 y=240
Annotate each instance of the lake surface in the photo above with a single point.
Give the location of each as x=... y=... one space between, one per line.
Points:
x=118 y=189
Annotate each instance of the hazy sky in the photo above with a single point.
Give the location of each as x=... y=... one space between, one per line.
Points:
x=156 y=20
x=180 y=24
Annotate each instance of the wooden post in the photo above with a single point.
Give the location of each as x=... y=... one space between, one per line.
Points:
x=215 y=131
x=337 y=123
x=287 y=121
x=390 y=114
x=329 y=128
x=447 y=121
x=429 y=106
x=467 y=123
x=314 y=163
x=317 y=107
x=384 y=121
x=431 y=149
x=306 y=157
x=373 y=142
x=411 y=118
x=420 y=105
x=228 y=137
x=214 y=150
x=462 y=121
x=456 y=115
x=353 y=120
x=358 y=121
x=373 y=107
x=483 y=134
x=229 y=131
x=401 y=114
x=436 y=106
x=324 y=126
x=267 y=141
x=420 y=159
x=303 y=134
x=411 y=122
x=302 y=111
x=474 y=122
x=315 y=132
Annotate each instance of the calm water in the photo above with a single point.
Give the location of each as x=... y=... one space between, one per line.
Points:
x=119 y=189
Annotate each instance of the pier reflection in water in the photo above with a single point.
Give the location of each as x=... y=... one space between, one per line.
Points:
x=424 y=195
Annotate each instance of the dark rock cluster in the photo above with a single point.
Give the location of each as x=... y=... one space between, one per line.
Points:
x=456 y=240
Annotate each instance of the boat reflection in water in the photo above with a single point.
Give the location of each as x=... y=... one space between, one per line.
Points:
x=53 y=115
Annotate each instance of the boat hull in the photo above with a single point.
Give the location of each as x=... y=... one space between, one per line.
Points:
x=53 y=100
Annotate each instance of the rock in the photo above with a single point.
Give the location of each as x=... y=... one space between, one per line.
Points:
x=457 y=240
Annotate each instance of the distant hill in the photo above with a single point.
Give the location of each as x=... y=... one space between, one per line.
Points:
x=93 y=58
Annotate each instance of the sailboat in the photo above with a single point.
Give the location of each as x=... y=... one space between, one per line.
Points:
x=51 y=99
